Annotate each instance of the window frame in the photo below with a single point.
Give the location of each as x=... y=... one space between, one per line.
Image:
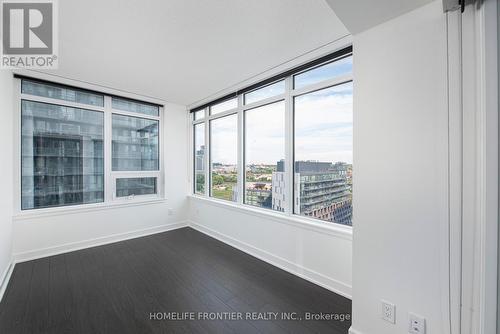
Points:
x=110 y=198
x=193 y=148
x=114 y=175
x=244 y=147
x=209 y=153
x=288 y=96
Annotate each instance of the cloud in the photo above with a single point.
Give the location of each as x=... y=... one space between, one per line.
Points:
x=323 y=130
x=323 y=125
x=224 y=140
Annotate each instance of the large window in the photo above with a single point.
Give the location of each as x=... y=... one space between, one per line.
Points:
x=264 y=156
x=284 y=145
x=62 y=155
x=64 y=160
x=224 y=157
x=323 y=154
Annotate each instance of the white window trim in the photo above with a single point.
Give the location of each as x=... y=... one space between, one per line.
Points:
x=317 y=225
x=110 y=199
x=288 y=97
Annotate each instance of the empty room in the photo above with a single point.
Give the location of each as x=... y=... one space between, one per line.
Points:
x=267 y=166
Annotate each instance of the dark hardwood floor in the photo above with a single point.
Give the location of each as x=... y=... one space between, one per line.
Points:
x=132 y=286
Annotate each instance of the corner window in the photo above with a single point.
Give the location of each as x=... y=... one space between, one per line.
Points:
x=285 y=146
x=64 y=160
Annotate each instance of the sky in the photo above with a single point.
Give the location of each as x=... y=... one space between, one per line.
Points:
x=323 y=130
x=323 y=123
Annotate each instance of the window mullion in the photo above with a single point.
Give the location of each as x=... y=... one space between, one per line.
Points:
x=241 y=152
x=207 y=155
x=108 y=133
x=160 y=181
x=289 y=144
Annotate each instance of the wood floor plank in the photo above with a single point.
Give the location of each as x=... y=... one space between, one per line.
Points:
x=13 y=305
x=256 y=289
x=116 y=288
x=36 y=318
x=60 y=297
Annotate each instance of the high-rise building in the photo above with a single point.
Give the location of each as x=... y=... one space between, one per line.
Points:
x=62 y=157
x=200 y=159
x=259 y=194
x=321 y=190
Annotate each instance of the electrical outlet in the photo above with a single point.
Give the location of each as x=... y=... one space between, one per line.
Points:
x=416 y=324
x=388 y=312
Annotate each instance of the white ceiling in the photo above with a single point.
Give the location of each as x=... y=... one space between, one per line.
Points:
x=182 y=51
x=359 y=15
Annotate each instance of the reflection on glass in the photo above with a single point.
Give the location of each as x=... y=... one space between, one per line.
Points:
x=264 y=156
x=224 y=106
x=54 y=91
x=324 y=72
x=323 y=154
x=135 y=186
x=135 y=144
x=200 y=114
x=199 y=158
x=61 y=155
x=134 y=106
x=274 y=89
x=224 y=157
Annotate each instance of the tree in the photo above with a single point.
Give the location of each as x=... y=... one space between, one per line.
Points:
x=217 y=179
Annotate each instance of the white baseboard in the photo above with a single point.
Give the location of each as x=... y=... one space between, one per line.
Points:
x=293 y=268
x=4 y=279
x=74 y=246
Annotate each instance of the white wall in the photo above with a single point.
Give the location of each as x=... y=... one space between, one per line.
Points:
x=38 y=235
x=6 y=136
x=317 y=254
x=400 y=172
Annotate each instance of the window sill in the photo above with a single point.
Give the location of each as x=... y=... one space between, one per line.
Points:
x=76 y=209
x=336 y=230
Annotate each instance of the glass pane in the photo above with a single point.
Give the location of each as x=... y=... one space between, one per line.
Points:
x=200 y=114
x=134 y=106
x=264 y=156
x=54 y=91
x=135 y=144
x=265 y=92
x=323 y=154
x=199 y=158
x=324 y=72
x=224 y=157
x=61 y=155
x=135 y=186
x=223 y=106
